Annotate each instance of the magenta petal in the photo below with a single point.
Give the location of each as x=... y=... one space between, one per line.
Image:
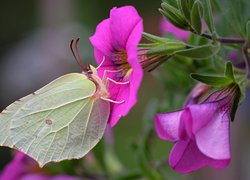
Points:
x=185 y=157
x=135 y=36
x=12 y=170
x=120 y=33
x=213 y=139
x=199 y=116
x=210 y=126
x=127 y=93
x=122 y=23
x=166 y=26
x=185 y=127
x=102 y=41
x=167 y=125
x=119 y=110
x=44 y=177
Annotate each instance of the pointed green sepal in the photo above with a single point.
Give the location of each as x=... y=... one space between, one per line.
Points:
x=184 y=7
x=166 y=49
x=200 y=52
x=147 y=45
x=229 y=73
x=216 y=81
x=156 y=39
x=174 y=15
x=236 y=102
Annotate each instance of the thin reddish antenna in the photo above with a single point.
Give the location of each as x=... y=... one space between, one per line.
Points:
x=77 y=51
x=73 y=52
x=71 y=48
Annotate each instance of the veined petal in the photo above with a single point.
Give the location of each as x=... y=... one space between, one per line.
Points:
x=135 y=35
x=210 y=127
x=122 y=23
x=185 y=157
x=199 y=116
x=213 y=139
x=167 y=125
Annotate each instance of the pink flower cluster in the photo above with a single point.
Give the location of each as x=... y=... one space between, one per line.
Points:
x=200 y=131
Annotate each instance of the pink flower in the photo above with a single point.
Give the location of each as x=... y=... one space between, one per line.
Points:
x=24 y=168
x=200 y=133
x=166 y=26
x=197 y=93
x=116 y=40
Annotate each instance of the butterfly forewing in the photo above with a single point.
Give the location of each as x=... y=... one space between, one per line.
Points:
x=5 y=120
x=59 y=121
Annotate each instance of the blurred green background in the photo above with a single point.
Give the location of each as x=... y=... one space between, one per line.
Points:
x=34 y=50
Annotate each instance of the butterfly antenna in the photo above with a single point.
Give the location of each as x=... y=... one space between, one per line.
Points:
x=77 y=58
x=78 y=54
x=72 y=50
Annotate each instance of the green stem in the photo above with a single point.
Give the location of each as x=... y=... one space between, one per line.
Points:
x=226 y=40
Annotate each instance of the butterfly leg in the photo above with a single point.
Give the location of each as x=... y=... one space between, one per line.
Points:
x=104 y=77
x=112 y=101
x=103 y=59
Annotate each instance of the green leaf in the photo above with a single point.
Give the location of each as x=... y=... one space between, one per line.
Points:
x=212 y=80
x=196 y=16
x=171 y=2
x=166 y=49
x=190 y=3
x=248 y=31
x=59 y=121
x=174 y=16
x=156 y=39
x=208 y=15
x=200 y=52
x=147 y=45
x=184 y=7
x=229 y=71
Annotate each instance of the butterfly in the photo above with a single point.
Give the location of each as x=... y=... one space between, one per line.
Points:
x=63 y=120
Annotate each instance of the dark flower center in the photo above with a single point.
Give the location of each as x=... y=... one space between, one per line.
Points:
x=120 y=59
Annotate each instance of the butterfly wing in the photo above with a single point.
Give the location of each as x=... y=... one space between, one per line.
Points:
x=60 y=121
